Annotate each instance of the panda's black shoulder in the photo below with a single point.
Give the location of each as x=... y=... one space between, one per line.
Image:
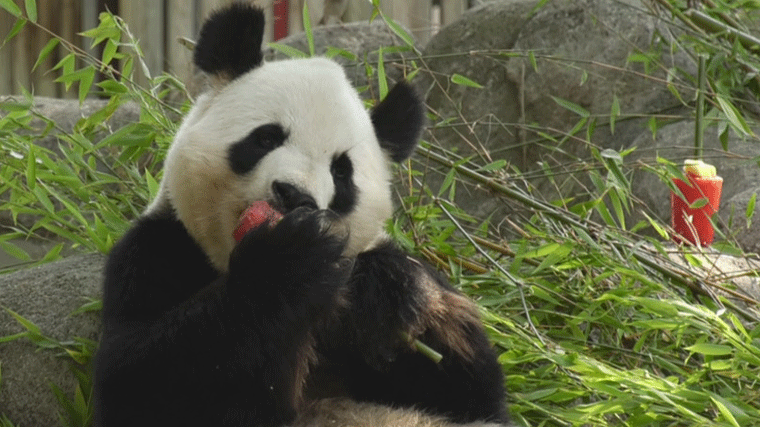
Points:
x=154 y=264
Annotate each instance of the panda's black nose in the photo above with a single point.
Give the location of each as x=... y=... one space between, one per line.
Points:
x=290 y=197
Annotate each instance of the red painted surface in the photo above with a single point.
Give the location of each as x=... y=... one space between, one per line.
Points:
x=280 y=9
x=686 y=221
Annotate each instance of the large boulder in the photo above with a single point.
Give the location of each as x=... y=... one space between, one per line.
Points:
x=46 y=296
x=472 y=47
x=475 y=122
x=584 y=53
x=67 y=112
x=363 y=40
x=526 y=59
x=575 y=50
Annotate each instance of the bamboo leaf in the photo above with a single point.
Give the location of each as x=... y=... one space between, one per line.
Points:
x=11 y=7
x=493 y=166
x=288 y=51
x=382 y=81
x=750 y=211
x=614 y=113
x=85 y=82
x=733 y=115
x=17 y=27
x=31 y=168
x=29 y=326
x=558 y=253
x=699 y=203
x=575 y=108
x=307 y=28
x=333 y=52
x=31 y=10
x=447 y=181
x=711 y=349
x=533 y=63
x=396 y=28
x=45 y=52
x=464 y=81
x=109 y=52
x=14 y=251
x=721 y=404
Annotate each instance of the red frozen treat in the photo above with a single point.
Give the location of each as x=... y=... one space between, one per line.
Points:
x=693 y=224
x=255 y=215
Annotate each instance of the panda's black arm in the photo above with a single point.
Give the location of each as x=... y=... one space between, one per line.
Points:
x=391 y=292
x=178 y=342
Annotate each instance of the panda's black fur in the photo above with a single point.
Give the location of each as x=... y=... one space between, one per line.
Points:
x=298 y=324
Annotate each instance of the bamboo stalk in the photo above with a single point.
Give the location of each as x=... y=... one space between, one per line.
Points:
x=713 y=26
x=699 y=130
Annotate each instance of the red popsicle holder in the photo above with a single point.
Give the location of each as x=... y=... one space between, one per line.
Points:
x=693 y=224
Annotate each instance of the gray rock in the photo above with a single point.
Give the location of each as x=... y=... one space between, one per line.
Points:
x=46 y=296
x=362 y=39
x=746 y=233
x=471 y=47
x=483 y=119
x=582 y=50
x=730 y=271
x=67 y=112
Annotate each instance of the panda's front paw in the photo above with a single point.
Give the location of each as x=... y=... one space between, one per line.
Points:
x=299 y=260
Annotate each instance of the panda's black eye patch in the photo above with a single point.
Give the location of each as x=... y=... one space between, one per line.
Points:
x=342 y=171
x=341 y=168
x=246 y=153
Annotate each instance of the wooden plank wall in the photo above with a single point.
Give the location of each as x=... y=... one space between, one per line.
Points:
x=158 y=23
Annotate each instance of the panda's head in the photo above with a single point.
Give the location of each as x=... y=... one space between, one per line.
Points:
x=292 y=132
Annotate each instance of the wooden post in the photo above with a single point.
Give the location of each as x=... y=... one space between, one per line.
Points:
x=20 y=60
x=6 y=55
x=42 y=82
x=295 y=16
x=414 y=15
x=145 y=19
x=358 y=10
x=452 y=10
x=180 y=23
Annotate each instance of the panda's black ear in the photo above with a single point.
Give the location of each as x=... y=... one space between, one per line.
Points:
x=229 y=44
x=398 y=120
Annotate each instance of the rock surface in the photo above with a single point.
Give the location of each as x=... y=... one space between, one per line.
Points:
x=46 y=296
x=361 y=39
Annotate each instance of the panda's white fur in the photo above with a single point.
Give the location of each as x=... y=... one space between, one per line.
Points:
x=323 y=115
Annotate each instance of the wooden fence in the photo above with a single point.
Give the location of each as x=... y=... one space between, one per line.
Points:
x=158 y=24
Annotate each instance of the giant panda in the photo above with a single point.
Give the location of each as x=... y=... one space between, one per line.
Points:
x=302 y=323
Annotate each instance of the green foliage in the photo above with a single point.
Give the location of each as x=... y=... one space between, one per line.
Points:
x=594 y=324
x=84 y=192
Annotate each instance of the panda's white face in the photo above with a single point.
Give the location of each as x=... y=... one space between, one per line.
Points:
x=289 y=132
